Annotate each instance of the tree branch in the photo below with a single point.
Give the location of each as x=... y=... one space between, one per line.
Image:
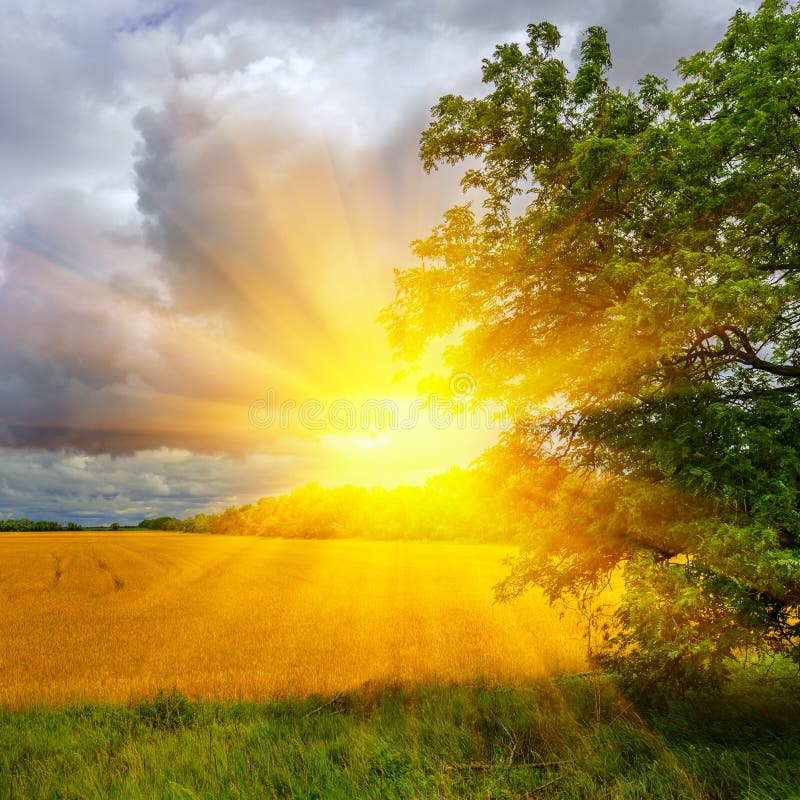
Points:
x=749 y=356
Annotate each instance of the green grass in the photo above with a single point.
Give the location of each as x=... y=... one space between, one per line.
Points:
x=572 y=738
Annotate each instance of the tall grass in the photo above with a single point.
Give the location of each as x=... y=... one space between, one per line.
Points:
x=570 y=738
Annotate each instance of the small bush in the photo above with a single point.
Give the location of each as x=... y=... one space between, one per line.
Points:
x=166 y=711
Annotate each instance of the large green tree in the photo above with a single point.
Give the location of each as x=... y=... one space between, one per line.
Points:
x=630 y=290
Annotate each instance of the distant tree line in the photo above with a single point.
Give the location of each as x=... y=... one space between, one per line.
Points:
x=24 y=524
x=459 y=504
x=162 y=524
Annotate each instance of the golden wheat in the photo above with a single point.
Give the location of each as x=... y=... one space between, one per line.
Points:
x=90 y=616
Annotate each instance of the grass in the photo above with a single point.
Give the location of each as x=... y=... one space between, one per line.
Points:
x=88 y=617
x=335 y=669
x=570 y=738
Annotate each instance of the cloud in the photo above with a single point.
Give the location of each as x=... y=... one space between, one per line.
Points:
x=151 y=20
x=265 y=131
x=205 y=200
x=98 y=489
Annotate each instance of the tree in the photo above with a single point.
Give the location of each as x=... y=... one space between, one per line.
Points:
x=162 y=524
x=630 y=292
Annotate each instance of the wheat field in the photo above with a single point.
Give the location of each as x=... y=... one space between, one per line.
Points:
x=94 y=616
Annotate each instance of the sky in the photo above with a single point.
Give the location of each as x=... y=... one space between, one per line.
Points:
x=202 y=206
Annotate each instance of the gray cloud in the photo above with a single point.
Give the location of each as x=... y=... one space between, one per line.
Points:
x=98 y=489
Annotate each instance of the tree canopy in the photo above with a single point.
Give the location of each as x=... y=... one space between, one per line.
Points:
x=630 y=289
